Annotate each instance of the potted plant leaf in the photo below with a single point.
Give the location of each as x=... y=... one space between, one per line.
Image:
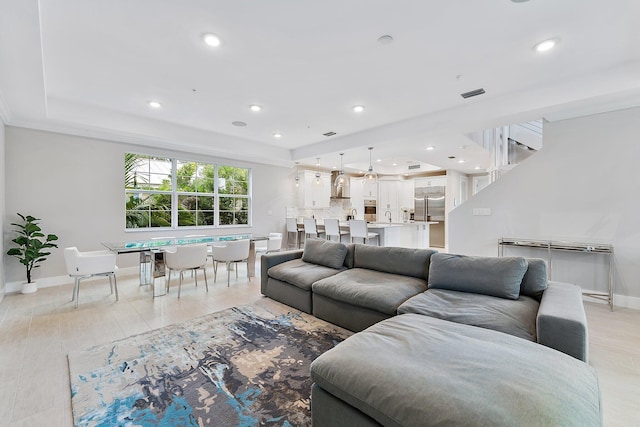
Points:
x=31 y=248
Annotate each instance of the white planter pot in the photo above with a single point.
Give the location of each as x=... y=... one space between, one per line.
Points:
x=29 y=288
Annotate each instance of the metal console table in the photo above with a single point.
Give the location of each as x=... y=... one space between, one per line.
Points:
x=550 y=246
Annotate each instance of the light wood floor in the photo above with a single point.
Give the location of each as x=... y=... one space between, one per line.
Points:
x=37 y=331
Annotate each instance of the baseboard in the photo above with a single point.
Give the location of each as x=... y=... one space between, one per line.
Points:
x=622 y=301
x=48 y=282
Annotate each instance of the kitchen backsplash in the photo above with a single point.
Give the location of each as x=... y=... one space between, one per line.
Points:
x=337 y=209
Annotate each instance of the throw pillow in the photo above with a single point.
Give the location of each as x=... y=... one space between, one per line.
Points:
x=534 y=282
x=498 y=277
x=324 y=252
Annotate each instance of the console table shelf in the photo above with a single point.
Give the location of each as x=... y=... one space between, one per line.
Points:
x=550 y=246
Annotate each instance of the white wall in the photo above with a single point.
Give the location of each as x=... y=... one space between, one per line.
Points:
x=2 y=210
x=76 y=186
x=582 y=186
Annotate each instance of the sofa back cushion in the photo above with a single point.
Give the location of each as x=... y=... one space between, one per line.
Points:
x=534 y=281
x=405 y=261
x=324 y=252
x=498 y=277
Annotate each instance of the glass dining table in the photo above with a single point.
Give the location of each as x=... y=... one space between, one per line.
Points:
x=152 y=252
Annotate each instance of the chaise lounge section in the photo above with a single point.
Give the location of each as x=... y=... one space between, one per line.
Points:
x=442 y=339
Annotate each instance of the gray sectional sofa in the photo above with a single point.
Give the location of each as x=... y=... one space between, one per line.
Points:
x=442 y=339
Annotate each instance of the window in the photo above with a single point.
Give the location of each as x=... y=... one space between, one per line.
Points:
x=148 y=191
x=171 y=193
x=233 y=187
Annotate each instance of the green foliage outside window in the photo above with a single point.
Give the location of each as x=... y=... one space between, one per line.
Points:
x=148 y=193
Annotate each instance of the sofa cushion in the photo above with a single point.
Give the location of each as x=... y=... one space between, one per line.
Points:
x=499 y=277
x=324 y=252
x=300 y=274
x=514 y=317
x=405 y=261
x=374 y=290
x=534 y=281
x=414 y=370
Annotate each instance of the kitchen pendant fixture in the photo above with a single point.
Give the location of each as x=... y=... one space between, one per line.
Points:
x=297 y=180
x=340 y=178
x=318 y=181
x=371 y=175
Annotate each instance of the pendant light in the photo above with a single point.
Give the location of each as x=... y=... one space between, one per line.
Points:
x=371 y=175
x=318 y=181
x=340 y=178
x=297 y=180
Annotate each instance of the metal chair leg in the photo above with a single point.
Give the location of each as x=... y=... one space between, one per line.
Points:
x=115 y=285
x=180 y=285
x=206 y=284
x=77 y=291
x=228 y=274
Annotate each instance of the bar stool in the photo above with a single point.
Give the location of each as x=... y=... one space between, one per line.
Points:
x=310 y=228
x=358 y=229
x=332 y=228
x=292 y=227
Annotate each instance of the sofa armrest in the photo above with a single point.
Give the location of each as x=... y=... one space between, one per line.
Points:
x=561 y=322
x=269 y=260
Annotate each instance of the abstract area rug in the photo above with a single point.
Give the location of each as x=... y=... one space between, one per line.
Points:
x=245 y=366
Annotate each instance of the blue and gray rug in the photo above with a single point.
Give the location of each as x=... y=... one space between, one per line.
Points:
x=246 y=366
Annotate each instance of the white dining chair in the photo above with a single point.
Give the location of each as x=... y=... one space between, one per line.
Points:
x=310 y=228
x=332 y=229
x=292 y=228
x=272 y=244
x=82 y=265
x=187 y=257
x=234 y=252
x=358 y=229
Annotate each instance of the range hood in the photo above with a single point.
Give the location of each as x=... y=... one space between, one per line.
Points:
x=342 y=192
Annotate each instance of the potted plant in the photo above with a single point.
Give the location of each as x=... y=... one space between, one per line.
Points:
x=32 y=246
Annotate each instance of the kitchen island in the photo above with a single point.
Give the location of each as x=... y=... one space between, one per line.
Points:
x=400 y=234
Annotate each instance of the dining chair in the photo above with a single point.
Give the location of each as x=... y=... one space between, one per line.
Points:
x=310 y=228
x=187 y=257
x=358 y=229
x=272 y=244
x=234 y=252
x=82 y=265
x=292 y=227
x=332 y=229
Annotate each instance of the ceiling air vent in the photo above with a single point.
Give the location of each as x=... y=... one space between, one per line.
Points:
x=329 y=134
x=472 y=93
x=410 y=167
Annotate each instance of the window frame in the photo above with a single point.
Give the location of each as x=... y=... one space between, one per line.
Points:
x=175 y=193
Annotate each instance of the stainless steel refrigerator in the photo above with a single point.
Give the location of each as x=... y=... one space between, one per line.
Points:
x=429 y=205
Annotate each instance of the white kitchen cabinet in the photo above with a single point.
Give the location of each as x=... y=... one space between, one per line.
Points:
x=407 y=194
x=357 y=196
x=370 y=189
x=312 y=194
x=431 y=181
x=388 y=197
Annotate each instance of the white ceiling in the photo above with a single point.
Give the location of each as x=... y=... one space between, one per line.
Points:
x=90 y=68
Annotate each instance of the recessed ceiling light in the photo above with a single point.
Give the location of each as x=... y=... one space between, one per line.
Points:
x=461 y=161
x=277 y=135
x=211 y=40
x=431 y=148
x=477 y=168
x=406 y=174
x=155 y=104
x=255 y=108
x=358 y=108
x=546 y=45
x=238 y=123
x=394 y=164
x=378 y=160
